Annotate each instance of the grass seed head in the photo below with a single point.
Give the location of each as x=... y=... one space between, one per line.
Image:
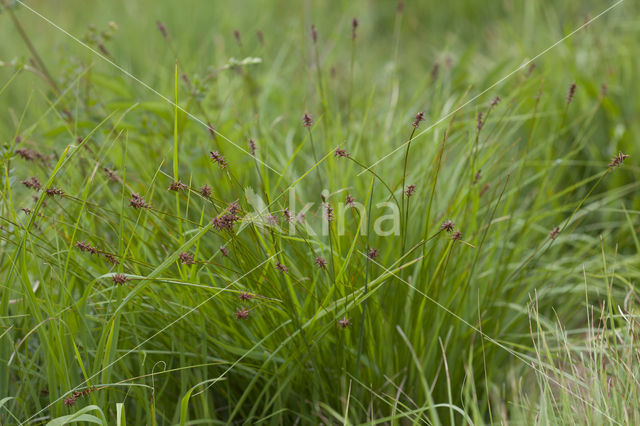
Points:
x=417 y=119
x=344 y=322
x=320 y=262
x=241 y=313
x=307 y=120
x=137 y=202
x=218 y=158
x=32 y=183
x=410 y=190
x=282 y=268
x=340 y=152
x=447 y=226
x=205 y=191
x=120 y=279
x=373 y=253
x=186 y=258
x=177 y=186
x=244 y=296
x=572 y=92
x=618 y=160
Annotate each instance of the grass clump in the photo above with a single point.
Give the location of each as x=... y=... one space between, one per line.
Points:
x=319 y=221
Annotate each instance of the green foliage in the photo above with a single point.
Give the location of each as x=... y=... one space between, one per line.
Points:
x=174 y=306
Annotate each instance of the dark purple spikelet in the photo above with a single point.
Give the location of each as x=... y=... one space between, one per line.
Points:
x=70 y=401
x=288 y=215
x=233 y=207
x=373 y=253
x=84 y=246
x=260 y=35
x=603 y=90
x=435 y=70
x=314 y=34
x=26 y=154
x=410 y=190
x=82 y=393
x=328 y=212
x=282 y=268
x=53 y=191
x=205 y=191
x=244 y=296
x=554 y=233
x=212 y=130
x=224 y=251
x=344 y=322
x=480 y=122
x=349 y=201
x=186 y=80
x=32 y=183
x=340 y=153
x=477 y=177
x=137 y=202
x=418 y=118
x=111 y=259
x=307 y=120
x=252 y=147
x=447 y=226
x=572 y=92
x=26 y=210
x=495 y=101
x=354 y=26
x=163 y=30
x=177 y=186
x=120 y=279
x=400 y=7
x=218 y=158
x=225 y=221
x=236 y=34
x=320 y=262
x=111 y=174
x=186 y=258
x=241 y=313
x=618 y=160
x=457 y=235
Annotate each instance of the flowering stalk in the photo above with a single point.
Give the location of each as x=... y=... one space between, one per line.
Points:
x=418 y=118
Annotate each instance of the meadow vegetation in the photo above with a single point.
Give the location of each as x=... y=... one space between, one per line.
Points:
x=296 y=213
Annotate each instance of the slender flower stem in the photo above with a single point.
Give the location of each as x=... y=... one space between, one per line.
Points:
x=32 y=49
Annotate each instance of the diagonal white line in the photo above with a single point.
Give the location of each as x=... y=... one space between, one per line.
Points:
x=489 y=339
x=155 y=334
x=441 y=119
x=145 y=85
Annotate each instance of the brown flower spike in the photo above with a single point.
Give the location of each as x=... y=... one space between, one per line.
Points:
x=177 y=186
x=186 y=258
x=137 y=202
x=218 y=158
x=618 y=160
x=447 y=226
x=241 y=313
x=120 y=279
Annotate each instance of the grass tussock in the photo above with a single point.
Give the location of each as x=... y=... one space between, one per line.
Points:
x=294 y=216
